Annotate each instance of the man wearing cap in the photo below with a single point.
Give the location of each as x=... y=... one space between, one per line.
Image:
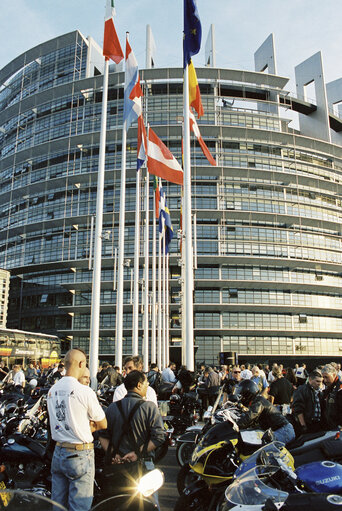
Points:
x=74 y=413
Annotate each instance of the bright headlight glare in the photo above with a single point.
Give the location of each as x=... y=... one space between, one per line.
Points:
x=151 y=482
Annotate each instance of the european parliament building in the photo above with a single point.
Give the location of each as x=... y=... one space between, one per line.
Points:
x=268 y=279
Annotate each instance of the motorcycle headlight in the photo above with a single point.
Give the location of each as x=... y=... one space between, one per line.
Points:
x=151 y=482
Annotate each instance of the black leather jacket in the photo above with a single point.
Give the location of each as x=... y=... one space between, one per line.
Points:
x=262 y=413
x=333 y=405
x=304 y=402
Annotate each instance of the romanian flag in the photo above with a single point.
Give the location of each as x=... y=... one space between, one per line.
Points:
x=194 y=91
x=161 y=162
x=111 y=44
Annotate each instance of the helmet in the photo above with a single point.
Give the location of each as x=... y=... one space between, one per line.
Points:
x=246 y=391
x=33 y=383
x=175 y=398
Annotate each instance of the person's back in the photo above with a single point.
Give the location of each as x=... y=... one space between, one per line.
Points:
x=154 y=377
x=260 y=412
x=135 y=427
x=186 y=378
x=281 y=390
x=74 y=413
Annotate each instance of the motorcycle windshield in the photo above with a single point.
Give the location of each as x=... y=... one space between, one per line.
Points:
x=260 y=457
x=18 y=500
x=254 y=488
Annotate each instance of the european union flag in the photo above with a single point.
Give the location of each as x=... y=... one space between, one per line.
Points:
x=192 y=31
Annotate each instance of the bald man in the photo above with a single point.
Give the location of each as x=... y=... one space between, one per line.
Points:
x=85 y=379
x=74 y=413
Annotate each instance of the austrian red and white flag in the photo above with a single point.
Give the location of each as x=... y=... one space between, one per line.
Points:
x=161 y=162
x=194 y=127
x=111 y=44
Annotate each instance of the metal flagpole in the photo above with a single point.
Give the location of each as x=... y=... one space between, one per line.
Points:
x=135 y=337
x=167 y=311
x=154 y=277
x=121 y=251
x=188 y=259
x=146 y=277
x=160 y=349
x=164 y=295
x=96 y=288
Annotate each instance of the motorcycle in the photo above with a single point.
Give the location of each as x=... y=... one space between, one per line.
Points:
x=259 y=489
x=19 y=500
x=141 y=497
x=215 y=473
x=184 y=412
x=185 y=443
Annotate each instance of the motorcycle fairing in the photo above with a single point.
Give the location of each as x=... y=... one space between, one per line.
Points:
x=321 y=476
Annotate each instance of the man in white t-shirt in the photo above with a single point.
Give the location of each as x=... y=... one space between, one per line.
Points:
x=18 y=376
x=74 y=414
x=133 y=363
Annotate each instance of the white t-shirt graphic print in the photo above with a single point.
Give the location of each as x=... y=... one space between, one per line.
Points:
x=71 y=406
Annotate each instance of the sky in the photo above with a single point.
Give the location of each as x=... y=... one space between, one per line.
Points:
x=300 y=27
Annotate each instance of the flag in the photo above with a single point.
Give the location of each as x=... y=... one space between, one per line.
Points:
x=111 y=44
x=165 y=220
x=192 y=31
x=194 y=91
x=161 y=162
x=156 y=194
x=132 y=107
x=135 y=96
x=142 y=142
x=194 y=127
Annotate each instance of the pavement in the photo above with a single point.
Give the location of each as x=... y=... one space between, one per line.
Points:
x=168 y=494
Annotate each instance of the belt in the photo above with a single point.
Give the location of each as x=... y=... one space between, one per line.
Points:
x=77 y=447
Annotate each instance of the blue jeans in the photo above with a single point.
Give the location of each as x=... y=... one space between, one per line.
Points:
x=73 y=475
x=285 y=434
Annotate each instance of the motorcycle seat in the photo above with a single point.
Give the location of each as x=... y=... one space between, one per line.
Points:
x=332 y=449
x=298 y=442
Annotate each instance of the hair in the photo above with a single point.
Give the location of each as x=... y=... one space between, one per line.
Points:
x=315 y=374
x=256 y=368
x=171 y=364
x=133 y=358
x=117 y=368
x=133 y=378
x=105 y=364
x=276 y=371
x=290 y=375
x=60 y=366
x=330 y=369
x=153 y=365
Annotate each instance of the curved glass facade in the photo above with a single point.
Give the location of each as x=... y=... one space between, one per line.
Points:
x=268 y=277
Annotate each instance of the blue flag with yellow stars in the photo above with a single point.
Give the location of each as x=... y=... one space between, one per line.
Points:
x=192 y=31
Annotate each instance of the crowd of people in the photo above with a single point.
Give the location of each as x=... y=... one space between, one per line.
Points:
x=286 y=401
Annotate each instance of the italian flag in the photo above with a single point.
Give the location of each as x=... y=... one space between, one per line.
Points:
x=111 y=44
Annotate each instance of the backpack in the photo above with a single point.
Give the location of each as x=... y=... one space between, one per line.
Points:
x=154 y=379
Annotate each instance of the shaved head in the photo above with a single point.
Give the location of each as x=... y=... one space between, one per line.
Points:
x=75 y=363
